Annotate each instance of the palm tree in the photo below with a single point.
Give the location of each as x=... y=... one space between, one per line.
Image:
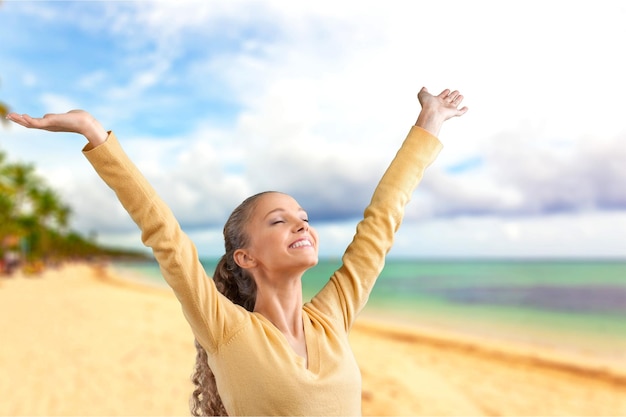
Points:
x=22 y=184
x=7 y=202
x=6 y=208
x=51 y=217
x=29 y=208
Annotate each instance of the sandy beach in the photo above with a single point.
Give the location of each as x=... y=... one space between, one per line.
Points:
x=80 y=341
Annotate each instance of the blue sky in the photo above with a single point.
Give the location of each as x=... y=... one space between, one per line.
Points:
x=216 y=100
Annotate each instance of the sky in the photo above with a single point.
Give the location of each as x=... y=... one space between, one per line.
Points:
x=217 y=100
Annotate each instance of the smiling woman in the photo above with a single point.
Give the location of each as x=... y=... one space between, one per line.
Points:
x=260 y=350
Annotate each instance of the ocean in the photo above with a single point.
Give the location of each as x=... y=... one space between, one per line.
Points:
x=574 y=306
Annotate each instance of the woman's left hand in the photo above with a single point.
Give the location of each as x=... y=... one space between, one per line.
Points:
x=437 y=109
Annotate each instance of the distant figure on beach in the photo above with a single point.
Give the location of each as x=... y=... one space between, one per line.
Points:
x=10 y=259
x=258 y=345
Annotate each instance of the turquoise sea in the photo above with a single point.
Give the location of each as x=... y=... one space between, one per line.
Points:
x=570 y=305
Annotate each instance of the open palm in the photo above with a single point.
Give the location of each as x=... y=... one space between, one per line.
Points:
x=74 y=121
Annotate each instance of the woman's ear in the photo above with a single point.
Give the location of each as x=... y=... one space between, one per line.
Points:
x=243 y=259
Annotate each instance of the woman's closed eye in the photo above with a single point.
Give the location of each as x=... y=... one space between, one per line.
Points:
x=278 y=221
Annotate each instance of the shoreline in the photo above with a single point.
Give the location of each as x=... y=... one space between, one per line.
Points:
x=495 y=349
x=139 y=360
x=554 y=355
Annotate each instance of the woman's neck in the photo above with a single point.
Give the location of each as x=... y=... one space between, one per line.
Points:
x=281 y=303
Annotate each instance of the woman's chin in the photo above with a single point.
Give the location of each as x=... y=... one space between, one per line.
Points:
x=312 y=262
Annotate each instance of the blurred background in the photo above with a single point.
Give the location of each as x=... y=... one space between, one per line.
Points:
x=517 y=230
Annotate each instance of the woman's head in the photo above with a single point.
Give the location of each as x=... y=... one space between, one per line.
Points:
x=267 y=232
x=278 y=240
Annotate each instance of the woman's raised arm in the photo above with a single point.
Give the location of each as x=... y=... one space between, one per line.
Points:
x=348 y=289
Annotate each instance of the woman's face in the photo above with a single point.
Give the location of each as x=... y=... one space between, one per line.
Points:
x=281 y=241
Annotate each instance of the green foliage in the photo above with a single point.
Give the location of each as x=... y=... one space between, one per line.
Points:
x=34 y=220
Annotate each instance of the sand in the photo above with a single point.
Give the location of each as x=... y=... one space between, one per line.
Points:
x=80 y=341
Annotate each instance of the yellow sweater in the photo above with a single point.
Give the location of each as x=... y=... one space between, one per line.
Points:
x=257 y=371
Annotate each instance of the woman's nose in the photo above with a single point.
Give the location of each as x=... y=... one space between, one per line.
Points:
x=302 y=226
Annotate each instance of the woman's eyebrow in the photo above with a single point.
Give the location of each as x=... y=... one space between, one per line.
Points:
x=280 y=209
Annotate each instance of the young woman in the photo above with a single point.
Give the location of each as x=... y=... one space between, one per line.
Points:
x=265 y=351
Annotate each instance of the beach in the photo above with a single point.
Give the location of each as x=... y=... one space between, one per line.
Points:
x=79 y=340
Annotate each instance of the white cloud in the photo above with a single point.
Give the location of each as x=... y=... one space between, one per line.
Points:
x=585 y=235
x=29 y=79
x=92 y=80
x=53 y=102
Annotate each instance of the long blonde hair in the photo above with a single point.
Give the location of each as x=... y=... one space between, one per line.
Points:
x=239 y=287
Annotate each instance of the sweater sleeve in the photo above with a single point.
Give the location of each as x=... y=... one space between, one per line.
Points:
x=211 y=315
x=348 y=289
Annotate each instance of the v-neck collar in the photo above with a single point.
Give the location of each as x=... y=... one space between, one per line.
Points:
x=312 y=347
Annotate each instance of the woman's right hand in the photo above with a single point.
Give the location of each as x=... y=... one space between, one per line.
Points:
x=74 y=121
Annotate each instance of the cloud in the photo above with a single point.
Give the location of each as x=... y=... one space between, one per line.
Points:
x=51 y=103
x=585 y=176
x=520 y=176
x=584 y=235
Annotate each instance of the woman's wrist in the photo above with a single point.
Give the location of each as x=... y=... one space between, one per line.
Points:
x=94 y=132
x=430 y=121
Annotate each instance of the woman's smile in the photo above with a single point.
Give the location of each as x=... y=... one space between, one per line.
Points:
x=301 y=243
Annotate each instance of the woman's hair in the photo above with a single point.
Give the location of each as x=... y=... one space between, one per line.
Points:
x=239 y=287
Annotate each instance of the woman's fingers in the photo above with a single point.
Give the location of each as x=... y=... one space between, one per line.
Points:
x=18 y=118
x=451 y=97
x=32 y=121
x=65 y=122
x=445 y=93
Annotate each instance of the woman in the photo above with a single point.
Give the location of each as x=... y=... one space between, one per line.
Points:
x=258 y=345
